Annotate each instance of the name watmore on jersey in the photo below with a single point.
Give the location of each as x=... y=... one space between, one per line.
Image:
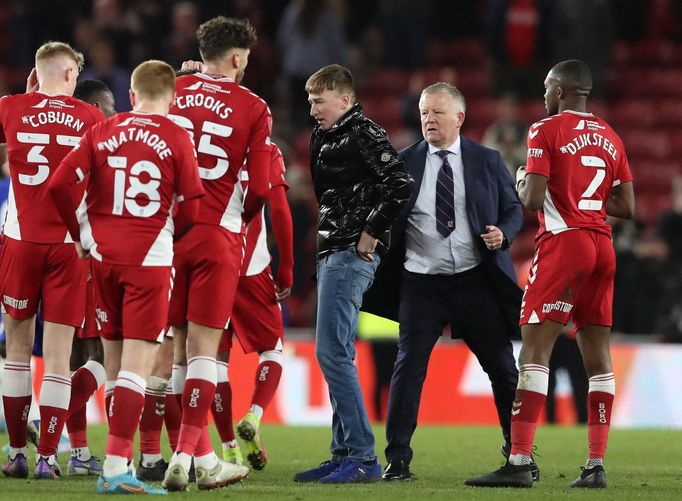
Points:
x=136 y=168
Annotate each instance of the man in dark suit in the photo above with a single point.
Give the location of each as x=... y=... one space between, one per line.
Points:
x=449 y=264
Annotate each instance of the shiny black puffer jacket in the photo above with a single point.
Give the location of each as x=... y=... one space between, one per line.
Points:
x=359 y=180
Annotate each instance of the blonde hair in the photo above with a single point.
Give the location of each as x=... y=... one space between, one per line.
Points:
x=49 y=50
x=333 y=77
x=153 y=79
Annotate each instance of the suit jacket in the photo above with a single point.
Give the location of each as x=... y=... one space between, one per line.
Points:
x=490 y=199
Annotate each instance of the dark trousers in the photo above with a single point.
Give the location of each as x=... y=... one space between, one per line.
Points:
x=566 y=354
x=428 y=303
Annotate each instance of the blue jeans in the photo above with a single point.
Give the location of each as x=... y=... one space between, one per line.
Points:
x=342 y=279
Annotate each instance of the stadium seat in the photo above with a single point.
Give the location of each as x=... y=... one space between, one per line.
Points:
x=633 y=113
x=646 y=143
x=481 y=112
x=669 y=112
x=387 y=82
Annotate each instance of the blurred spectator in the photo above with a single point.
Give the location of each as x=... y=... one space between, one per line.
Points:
x=310 y=36
x=113 y=24
x=566 y=355
x=101 y=65
x=516 y=35
x=629 y=19
x=583 y=29
x=405 y=29
x=508 y=133
x=644 y=284
x=670 y=225
x=625 y=234
x=182 y=44
x=18 y=34
x=84 y=34
x=654 y=285
x=302 y=212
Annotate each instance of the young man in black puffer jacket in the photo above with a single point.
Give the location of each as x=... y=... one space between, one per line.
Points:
x=360 y=184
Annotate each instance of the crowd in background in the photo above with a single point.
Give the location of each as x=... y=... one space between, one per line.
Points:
x=495 y=51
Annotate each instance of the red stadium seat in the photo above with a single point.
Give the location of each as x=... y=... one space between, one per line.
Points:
x=481 y=112
x=651 y=144
x=387 y=82
x=470 y=51
x=533 y=110
x=633 y=113
x=675 y=142
x=384 y=110
x=669 y=112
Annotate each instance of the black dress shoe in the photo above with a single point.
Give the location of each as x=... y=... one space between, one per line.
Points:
x=508 y=475
x=397 y=471
x=505 y=449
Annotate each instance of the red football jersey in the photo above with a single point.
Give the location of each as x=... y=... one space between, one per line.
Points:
x=39 y=130
x=136 y=166
x=226 y=121
x=582 y=158
x=256 y=253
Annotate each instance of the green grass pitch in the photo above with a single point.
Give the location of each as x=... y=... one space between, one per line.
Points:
x=641 y=464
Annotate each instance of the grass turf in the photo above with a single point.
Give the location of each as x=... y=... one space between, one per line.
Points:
x=641 y=464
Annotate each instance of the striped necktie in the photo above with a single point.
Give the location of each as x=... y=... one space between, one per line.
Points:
x=445 y=198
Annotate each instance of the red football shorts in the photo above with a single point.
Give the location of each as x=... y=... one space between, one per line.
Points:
x=51 y=275
x=131 y=301
x=206 y=263
x=89 y=329
x=256 y=316
x=571 y=277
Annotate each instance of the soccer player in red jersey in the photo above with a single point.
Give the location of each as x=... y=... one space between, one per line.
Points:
x=38 y=264
x=136 y=166
x=577 y=173
x=161 y=405
x=257 y=322
x=87 y=357
x=231 y=128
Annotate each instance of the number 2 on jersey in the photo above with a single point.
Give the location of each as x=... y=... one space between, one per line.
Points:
x=587 y=203
x=126 y=198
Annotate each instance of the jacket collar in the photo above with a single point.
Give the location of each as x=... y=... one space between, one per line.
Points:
x=342 y=122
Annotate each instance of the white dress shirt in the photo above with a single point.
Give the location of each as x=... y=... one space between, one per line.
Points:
x=427 y=251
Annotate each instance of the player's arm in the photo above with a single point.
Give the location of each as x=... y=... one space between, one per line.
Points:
x=283 y=228
x=531 y=179
x=258 y=165
x=188 y=185
x=187 y=214
x=71 y=171
x=531 y=189
x=621 y=202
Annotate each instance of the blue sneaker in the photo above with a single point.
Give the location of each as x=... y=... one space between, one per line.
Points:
x=76 y=467
x=126 y=484
x=316 y=473
x=354 y=472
